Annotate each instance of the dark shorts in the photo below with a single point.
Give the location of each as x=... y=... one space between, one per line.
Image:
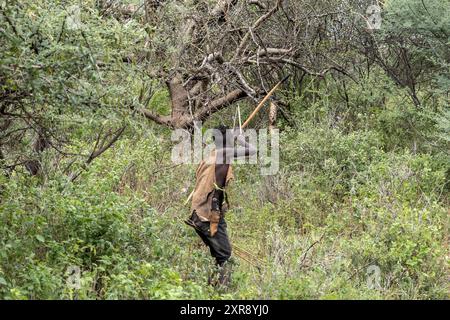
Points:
x=219 y=245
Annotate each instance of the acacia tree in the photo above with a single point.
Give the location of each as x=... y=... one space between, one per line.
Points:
x=226 y=50
x=209 y=54
x=52 y=80
x=412 y=46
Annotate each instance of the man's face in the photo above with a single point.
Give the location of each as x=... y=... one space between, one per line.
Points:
x=221 y=141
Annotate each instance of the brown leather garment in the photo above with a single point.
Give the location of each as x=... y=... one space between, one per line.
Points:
x=205 y=186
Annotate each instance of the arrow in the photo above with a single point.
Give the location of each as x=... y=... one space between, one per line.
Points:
x=261 y=104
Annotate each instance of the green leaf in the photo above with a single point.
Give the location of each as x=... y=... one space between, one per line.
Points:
x=40 y=238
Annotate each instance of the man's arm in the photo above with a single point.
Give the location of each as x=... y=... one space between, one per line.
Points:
x=243 y=149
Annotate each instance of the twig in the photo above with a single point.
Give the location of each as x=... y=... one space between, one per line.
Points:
x=310 y=247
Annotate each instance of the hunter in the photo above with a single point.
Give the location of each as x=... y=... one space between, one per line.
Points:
x=210 y=201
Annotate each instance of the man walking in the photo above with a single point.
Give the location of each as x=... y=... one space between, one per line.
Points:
x=210 y=201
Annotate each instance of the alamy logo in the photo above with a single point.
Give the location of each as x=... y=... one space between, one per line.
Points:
x=73 y=18
x=374 y=17
x=73 y=280
x=374 y=277
x=265 y=147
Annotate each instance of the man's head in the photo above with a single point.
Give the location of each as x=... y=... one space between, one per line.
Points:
x=220 y=136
